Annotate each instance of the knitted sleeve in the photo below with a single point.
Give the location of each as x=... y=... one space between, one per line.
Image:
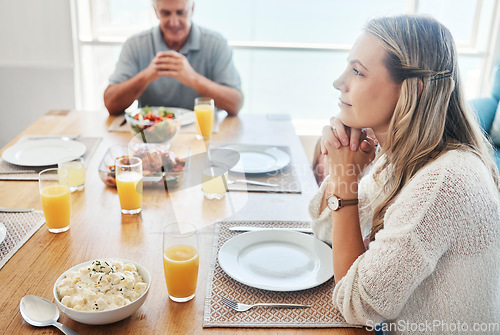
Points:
x=322 y=222
x=419 y=228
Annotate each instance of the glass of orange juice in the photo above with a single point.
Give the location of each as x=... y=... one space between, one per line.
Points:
x=55 y=196
x=128 y=172
x=76 y=172
x=204 y=110
x=180 y=260
x=214 y=182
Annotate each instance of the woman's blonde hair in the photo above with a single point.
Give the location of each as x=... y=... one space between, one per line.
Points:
x=431 y=116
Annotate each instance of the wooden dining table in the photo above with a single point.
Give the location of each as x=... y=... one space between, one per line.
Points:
x=99 y=230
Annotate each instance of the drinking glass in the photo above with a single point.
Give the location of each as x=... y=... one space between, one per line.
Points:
x=55 y=195
x=129 y=184
x=214 y=182
x=204 y=110
x=180 y=260
x=76 y=173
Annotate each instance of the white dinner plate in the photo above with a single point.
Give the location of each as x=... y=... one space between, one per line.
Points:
x=42 y=152
x=3 y=232
x=277 y=260
x=187 y=116
x=259 y=158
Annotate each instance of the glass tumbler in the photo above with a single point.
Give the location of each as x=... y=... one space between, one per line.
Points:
x=214 y=182
x=55 y=195
x=76 y=173
x=180 y=260
x=128 y=172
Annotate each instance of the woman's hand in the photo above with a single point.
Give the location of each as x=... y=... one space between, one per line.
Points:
x=337 y=134
x=340 y=144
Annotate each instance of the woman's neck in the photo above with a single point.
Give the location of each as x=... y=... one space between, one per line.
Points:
x=381 y=137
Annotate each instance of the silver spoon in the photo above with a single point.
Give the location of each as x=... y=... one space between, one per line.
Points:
x=40 y=312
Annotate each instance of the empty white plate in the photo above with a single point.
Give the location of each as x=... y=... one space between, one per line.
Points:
x=43 y=152
x=259 y=158
x=277 y=260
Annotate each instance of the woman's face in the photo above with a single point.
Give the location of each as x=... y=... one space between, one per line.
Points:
x=368 y=95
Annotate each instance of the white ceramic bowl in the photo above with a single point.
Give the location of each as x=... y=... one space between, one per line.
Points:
x=109 y=316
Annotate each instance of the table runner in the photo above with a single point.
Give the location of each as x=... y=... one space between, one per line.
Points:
x=89 y=142
x=286 y=178
x=321 y=314
x=20 y=227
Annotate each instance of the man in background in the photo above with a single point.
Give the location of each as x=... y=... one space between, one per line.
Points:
x=173 y=63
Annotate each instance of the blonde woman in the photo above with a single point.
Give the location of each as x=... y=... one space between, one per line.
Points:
x=416 y=240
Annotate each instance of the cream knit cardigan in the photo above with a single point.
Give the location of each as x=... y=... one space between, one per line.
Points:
x=436 y=263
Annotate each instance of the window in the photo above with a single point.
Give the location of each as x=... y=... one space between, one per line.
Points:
x=287 y=52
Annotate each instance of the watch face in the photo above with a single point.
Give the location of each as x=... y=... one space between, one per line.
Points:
x=333 y=203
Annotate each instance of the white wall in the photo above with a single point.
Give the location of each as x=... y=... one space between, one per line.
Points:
x=36 y=62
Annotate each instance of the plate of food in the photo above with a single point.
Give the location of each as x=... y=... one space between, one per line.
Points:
x=161 y=164
x=186 y=116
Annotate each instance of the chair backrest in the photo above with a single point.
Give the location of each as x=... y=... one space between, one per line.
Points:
x=495 y=89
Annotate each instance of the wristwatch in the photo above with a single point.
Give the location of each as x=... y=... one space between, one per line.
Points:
x=335 y=203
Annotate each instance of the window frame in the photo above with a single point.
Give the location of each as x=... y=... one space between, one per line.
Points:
x=490 y=56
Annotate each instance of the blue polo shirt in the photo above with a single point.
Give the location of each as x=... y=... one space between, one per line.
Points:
x=206 y=51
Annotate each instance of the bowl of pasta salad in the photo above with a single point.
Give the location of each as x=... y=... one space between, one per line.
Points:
x=102 y=291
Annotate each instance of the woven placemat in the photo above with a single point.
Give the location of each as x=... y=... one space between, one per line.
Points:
x=90 y=143
x=321 y=314
x=20 y=227
x=286 y=179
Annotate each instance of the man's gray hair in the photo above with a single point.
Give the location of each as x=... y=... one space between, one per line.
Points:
x=155 y=2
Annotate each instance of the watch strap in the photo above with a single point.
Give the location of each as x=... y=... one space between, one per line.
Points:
x=348 y=202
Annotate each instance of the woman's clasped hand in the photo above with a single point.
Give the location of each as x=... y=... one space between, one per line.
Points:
x=351 y=148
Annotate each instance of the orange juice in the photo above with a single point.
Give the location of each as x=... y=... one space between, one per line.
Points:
x=76 y=174
x=56 y=206
x=204 y=119
x=214 y=182
x=180 y=264
x=129 y=186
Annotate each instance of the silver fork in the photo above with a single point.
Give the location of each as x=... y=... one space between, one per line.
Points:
x=239 y=307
